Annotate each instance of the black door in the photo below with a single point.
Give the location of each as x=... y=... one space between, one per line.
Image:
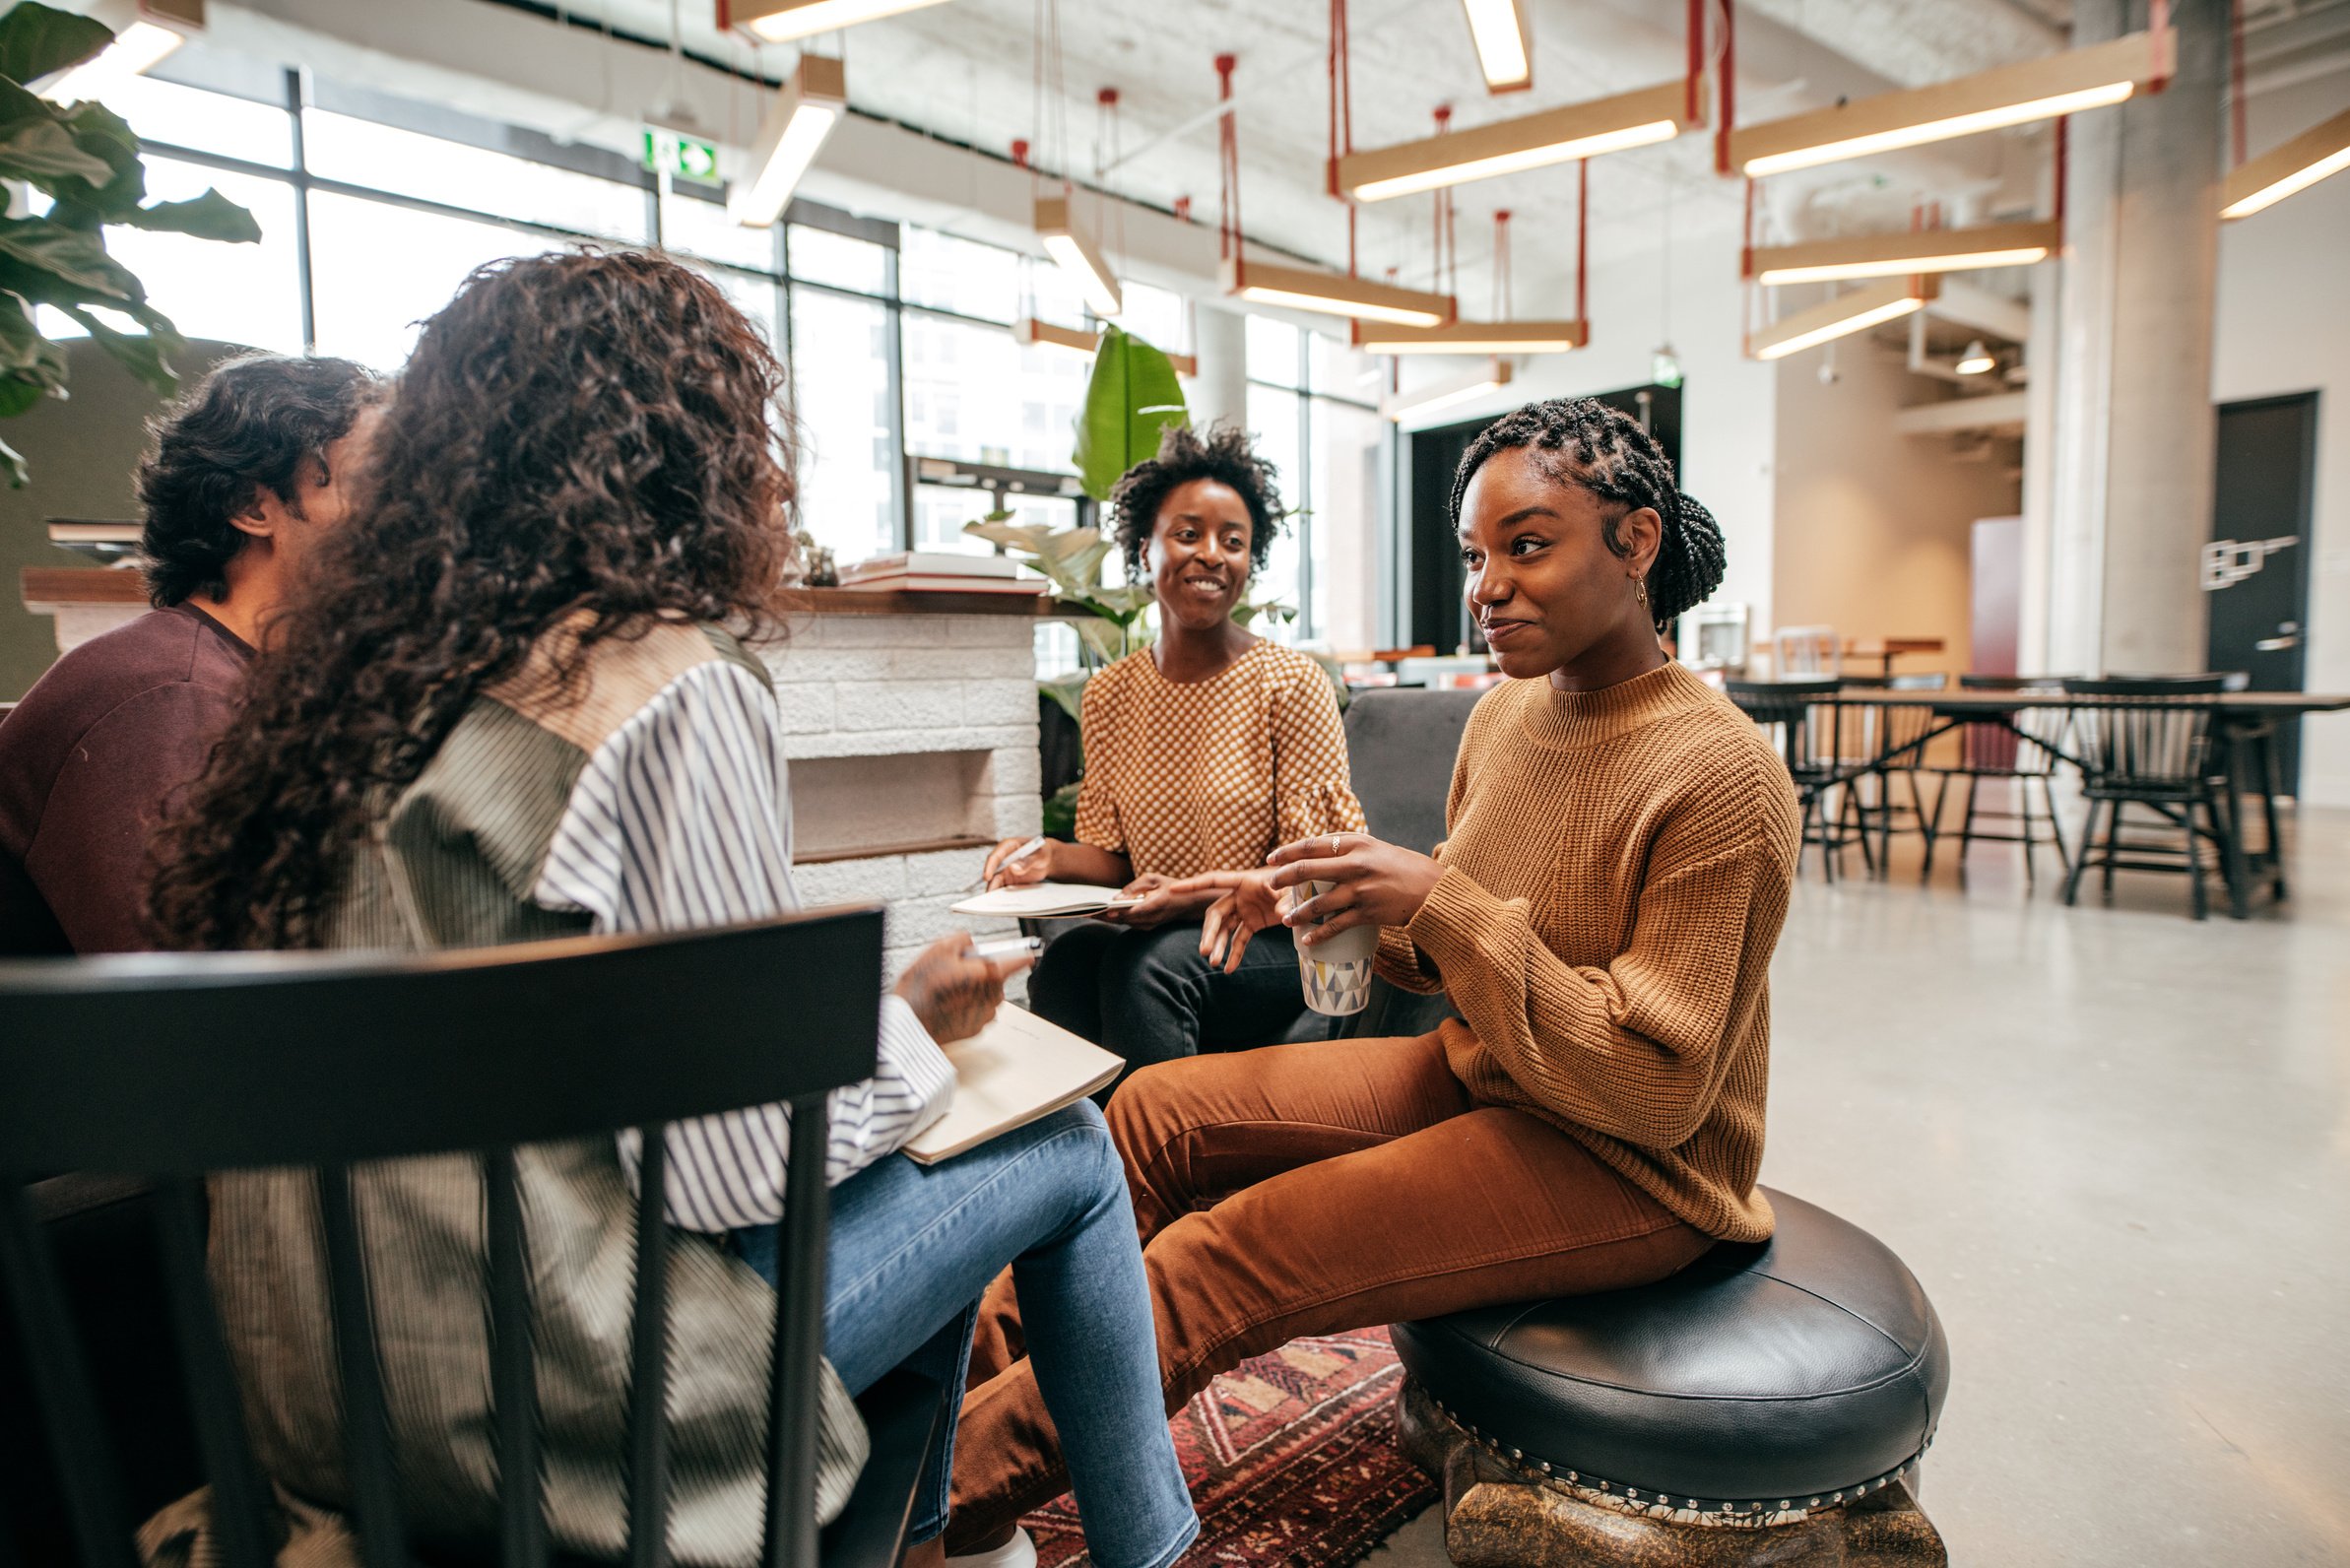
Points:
x=2257 y=571
x=1436 y=614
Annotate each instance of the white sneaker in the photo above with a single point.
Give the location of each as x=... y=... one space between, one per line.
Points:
x=1017 y=1552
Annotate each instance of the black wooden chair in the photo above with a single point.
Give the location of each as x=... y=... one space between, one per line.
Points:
x=2022 y=752
x=2138 y=749
x=141 y=1075
x=1804 y=718
x=1891 y=739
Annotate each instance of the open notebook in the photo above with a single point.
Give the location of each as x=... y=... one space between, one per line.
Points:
x=1045 y=901
x=1010 y=1072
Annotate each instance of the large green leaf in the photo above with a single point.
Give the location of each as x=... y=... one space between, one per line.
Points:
x=21 y=342
x=1130 y=401
x=72 y=257
x=32 y=149
x=19 y=392
x=1027 y=538
x=12 y=462
x=36 y=41
x=211 y=215
x=107 y=137
x=1069 y=691
x=140 y=354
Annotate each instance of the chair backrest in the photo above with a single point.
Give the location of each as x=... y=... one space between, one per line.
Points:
x=1810 y=650
x=1399 y=748
x=2136 y=734
x=1802 y=713
x=2030 y=740
x=1895 y=730
x=173 y=1067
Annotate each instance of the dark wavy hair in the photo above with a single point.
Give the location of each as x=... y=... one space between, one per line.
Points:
x=585 y=431
x=1582 y=441
x=253 y=424
x=1222 y=453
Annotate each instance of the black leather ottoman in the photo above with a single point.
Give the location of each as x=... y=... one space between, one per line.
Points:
x=1769 y=1403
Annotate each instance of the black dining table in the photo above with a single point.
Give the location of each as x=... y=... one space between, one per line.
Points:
x=2243 y=728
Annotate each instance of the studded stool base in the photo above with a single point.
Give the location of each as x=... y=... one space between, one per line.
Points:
x=1499 y=1514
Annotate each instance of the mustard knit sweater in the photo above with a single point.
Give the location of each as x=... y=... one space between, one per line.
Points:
x=1616 y=870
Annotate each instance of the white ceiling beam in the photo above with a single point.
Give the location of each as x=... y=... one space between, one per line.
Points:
x=1996 y=411
x=1994 y=316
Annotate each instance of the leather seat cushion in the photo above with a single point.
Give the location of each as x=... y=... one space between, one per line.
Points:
x=1768 y=1375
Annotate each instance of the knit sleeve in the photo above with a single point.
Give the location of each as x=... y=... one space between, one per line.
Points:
x=1098 y=821
x=1312 y=791
x=681 y=819
x=1636 y=1049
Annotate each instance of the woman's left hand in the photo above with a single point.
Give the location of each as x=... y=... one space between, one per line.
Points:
x=1377 y=883
x=1166 y=899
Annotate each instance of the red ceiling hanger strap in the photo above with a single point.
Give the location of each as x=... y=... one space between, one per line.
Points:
x=1342 y=116
x=1229 y=163
x=1583 y=210
x=1727 y=89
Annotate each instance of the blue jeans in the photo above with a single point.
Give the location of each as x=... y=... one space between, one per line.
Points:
x=912 y=1248
x=1147 y=994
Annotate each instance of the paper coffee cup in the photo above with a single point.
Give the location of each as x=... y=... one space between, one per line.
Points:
x=1336 y=970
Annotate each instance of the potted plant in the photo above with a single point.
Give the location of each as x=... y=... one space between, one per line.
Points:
x=85 y=160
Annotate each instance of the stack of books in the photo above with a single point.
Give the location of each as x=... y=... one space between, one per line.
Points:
x=939 y=571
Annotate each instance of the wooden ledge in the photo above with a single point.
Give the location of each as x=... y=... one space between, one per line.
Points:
x=920 y=846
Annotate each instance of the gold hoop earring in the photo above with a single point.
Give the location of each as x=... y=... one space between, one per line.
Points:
x=1640 y=588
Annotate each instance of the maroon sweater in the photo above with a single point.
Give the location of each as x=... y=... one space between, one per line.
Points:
x=89 y=760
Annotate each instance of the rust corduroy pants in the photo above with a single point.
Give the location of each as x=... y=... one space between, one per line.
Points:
x=1314 y=1188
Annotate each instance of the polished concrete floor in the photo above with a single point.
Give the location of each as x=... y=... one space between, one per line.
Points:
x=2113 y=1145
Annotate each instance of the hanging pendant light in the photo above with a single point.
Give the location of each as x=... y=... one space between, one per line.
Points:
x=1977 y=360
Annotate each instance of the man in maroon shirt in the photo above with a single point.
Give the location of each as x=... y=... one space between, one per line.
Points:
x=244 y=475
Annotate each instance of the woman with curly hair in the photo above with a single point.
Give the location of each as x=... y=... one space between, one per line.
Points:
x=1203 y=751
x=510 y=703
x=1620 y=845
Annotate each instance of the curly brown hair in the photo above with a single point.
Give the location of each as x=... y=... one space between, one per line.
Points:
x=592 y=430
x=1222 y=452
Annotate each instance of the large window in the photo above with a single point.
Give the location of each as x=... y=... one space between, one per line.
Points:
x=1313 y=412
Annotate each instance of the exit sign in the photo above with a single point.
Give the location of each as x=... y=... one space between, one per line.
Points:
x=684 y=156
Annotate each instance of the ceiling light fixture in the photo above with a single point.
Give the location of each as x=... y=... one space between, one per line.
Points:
x=1034 y=333
x=1334 y=294
x=1977 y=360
x=1911 y=252
x=1507 y=147
x=803 y=114
x=2014 y=94
x=1491 y=378
x=144 y=33
x=2277 y=174
x=1504 y=43
x=781 y=21
x=1476 y=337
x=1841 y=317
x=1075 y=251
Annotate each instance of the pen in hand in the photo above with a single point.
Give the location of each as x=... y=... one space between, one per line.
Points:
x=988 y=879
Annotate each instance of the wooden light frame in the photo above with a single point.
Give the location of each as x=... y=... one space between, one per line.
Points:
x=2010 y=94
x=2316 y=154
x=1842 y=316
x=1336 y=295
x=1072 y=249
x=1921 y=250
x=793 y=132
x=1496 y=374
x=1032 y=333
x=781 y=21
x=1530 y=141
x=1498 y=31
x=1476 y=337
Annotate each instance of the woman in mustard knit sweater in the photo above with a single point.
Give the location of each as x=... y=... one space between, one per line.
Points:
x=1620 y=845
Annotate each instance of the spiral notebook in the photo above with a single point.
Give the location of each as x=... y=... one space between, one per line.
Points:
x=1045 y=901
x=1016 y=1070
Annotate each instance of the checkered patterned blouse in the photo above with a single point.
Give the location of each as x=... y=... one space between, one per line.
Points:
x=1185 y=778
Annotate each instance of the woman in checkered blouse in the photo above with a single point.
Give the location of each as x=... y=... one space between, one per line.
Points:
x=1203 y=753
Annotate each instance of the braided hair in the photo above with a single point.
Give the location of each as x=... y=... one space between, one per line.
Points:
x=1582 y=441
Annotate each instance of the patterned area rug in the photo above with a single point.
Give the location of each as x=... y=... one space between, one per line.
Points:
x=1291 y=1460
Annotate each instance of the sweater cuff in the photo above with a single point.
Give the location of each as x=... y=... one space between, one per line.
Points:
x=1451 y=923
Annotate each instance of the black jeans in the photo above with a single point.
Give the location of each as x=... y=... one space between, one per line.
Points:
x=1150 y=997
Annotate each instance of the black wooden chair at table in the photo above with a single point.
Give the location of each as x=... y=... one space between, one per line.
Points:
x=2023 y=752
x=2136 y=750
x=141 y=1075
x=1804 y=718
x=1890 y=739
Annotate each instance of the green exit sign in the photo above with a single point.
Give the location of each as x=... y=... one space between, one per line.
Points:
x=684 y=156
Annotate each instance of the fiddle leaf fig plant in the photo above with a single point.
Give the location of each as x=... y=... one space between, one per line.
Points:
x=83 y=159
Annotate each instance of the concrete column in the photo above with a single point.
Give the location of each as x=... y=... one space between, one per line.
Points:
x=2133 y=424
x=1220 y=391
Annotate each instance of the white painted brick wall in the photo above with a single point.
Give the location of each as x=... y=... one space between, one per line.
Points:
x=903 y=686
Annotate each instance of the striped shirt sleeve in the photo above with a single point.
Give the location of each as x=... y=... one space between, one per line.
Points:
x=681 y=818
